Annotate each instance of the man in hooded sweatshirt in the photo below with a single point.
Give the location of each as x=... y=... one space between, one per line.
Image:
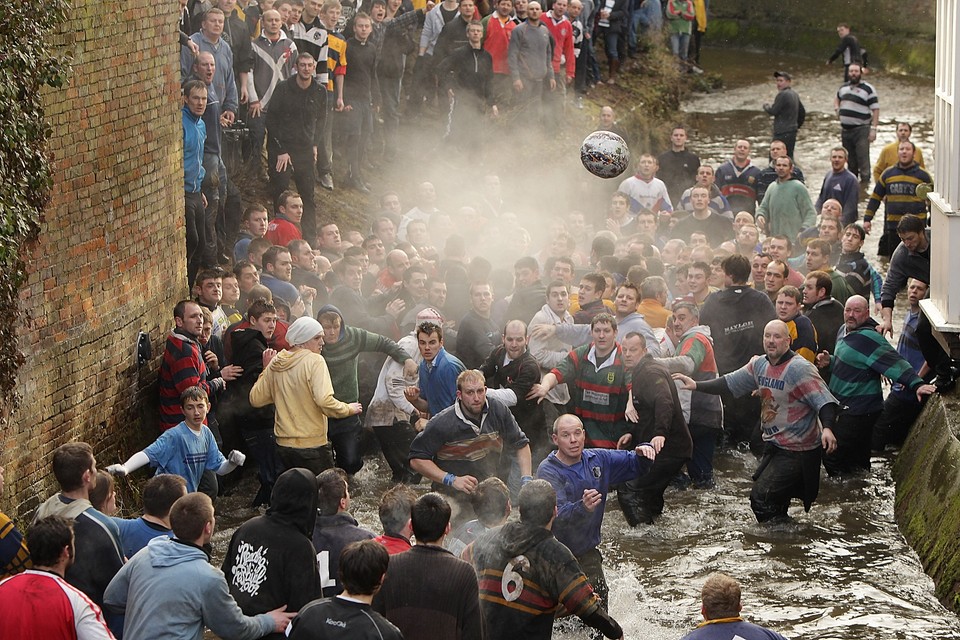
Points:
x=342 y=348
x=524 y=573
x=271 y=561
x=297 y=382
x=736 y=316
x=170 y=591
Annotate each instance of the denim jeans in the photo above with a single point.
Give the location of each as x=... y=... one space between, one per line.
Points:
x=680 y=44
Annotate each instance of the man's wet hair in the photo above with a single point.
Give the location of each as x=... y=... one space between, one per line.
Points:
x=490 y=500
x=332 y=488
x=538 y=503
x=430 y=516
x=70 y=462
x=362 y=566
x=47 y=538
x=193 y=393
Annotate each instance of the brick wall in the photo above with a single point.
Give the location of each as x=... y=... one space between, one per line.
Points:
x=109 y=260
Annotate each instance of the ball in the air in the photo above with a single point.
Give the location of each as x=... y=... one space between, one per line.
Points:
x=605 y=154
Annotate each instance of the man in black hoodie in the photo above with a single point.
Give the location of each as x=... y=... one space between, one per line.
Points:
x=736 y=316
x=238 y=417
x=524 y=573
x=271 y=561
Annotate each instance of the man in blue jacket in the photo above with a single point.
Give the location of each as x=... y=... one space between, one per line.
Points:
x=170 y=590
x=194 y=136
x=582 y=478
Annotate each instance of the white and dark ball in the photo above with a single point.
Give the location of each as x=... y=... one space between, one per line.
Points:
x=605 y=154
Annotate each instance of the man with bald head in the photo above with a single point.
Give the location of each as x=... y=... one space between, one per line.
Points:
x=860 y=360
x=737 y=179
x=395 y=264
x=793 y=396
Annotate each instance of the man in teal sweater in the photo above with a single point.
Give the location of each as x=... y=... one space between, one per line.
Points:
x=861 y=357
x=786 y=208
x=342 y=346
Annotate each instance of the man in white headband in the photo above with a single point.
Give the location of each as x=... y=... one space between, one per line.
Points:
x=297 y=382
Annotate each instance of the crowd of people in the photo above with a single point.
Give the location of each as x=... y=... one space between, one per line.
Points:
x=709 y=307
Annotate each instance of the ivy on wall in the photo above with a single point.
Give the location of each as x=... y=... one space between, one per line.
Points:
x=29 y=62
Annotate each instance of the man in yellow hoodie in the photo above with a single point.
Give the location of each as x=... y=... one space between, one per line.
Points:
x=297 y=382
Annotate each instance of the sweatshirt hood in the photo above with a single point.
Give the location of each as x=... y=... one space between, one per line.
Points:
x=329 y=307
x=166 y=552
x=701 y=329
x=287 y=360
x=515 y=538
x=294 y=500
x=243 y=339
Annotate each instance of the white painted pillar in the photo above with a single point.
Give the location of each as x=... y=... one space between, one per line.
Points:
x=943 y=306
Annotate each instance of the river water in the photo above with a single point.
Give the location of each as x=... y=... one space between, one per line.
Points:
x=842 y=571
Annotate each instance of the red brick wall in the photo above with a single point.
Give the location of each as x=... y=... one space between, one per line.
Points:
x=109 y=261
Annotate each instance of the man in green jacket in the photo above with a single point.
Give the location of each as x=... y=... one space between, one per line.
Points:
x=341 y=350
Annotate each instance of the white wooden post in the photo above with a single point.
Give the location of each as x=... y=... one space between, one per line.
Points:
x=943 y=306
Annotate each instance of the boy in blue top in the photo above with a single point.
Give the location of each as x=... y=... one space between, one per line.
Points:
x=188 y=449
x=159 y=494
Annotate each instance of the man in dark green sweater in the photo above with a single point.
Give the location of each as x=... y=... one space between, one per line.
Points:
x=342 y=346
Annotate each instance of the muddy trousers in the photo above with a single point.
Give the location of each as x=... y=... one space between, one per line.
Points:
x=781 y=476
x=641 y=499
x=854 y=436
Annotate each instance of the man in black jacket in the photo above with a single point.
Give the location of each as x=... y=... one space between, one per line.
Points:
x=511 y=371
x=467 y=76
x=657 y=418
x=291 y=123
x=736 y=316
x=349 y=616
x=270 y=561
x=237 y=416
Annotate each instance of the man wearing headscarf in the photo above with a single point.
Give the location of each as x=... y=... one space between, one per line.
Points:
x=297 y=382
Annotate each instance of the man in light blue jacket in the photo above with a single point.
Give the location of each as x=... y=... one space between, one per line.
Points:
x=169 y=589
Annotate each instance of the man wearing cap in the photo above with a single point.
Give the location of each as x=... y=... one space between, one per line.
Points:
x=297 y=382
x=785 y=111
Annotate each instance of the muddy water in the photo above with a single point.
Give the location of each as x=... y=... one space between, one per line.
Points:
x=842 y=571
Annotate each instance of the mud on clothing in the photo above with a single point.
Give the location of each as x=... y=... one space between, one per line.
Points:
x=461 y=447
x=791 y=394
x=598 y=392
x=524 y=573
x=597 y=469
